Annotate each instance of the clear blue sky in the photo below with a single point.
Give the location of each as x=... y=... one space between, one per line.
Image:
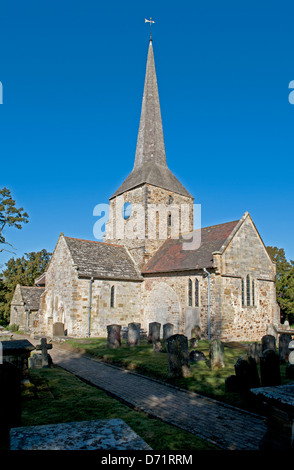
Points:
x=73 y=76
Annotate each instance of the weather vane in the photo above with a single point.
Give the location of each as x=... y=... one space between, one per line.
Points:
x=150 y=21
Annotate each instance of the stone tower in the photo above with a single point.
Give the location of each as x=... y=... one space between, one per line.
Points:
x=151 y=204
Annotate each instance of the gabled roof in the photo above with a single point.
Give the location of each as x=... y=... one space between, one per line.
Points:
x=172 y=257
x=150 y=160
x=102 y=260
x=31 y=296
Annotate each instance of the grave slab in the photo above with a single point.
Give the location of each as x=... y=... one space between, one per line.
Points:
x=112 y=434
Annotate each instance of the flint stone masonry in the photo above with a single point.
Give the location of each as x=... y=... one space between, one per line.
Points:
x=112 y=434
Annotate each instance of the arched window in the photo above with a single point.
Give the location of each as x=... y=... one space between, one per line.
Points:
x=112 y=296
x=196 y=293
x=243 y=293
x=248 y=290
x=253 y=292
x=190 y=293
x=169 y=220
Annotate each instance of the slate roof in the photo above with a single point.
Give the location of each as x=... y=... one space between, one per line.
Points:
x=150 y=160
x=171 y=256
x=31 y=296
x=102 y=260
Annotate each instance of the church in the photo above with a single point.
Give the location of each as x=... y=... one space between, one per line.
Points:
x=152 y=265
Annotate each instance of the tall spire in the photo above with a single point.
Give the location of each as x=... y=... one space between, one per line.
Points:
x=150 y=143
x=150 y=160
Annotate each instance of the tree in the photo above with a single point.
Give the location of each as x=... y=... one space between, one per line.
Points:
x=284 y=282
x=21 y=271
x=10 y=216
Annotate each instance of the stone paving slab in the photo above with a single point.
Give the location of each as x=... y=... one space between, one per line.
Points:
x=112 y=434
x=224 y=425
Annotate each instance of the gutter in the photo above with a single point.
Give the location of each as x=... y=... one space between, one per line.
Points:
x=90 y=306
x=208 y=302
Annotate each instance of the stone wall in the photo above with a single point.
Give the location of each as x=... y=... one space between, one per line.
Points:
x=17 y=309
x=144 y=231
x=66 y=299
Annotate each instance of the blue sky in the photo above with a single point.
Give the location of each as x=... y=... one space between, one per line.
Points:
x=73 y=75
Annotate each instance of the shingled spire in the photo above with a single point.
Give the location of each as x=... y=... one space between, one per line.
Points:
x=150 y=160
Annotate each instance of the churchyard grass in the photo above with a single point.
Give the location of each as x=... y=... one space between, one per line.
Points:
x=143 y=360
x=56 y=396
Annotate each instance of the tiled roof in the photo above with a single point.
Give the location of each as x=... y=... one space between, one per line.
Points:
x=172 y=257
x=31 y=296
x=102 y=260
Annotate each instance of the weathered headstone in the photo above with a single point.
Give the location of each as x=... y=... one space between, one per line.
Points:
x=290 y=366
x=284 y=351
x=134 y=334
x=43 y=347
x=196 y=332
x=254 y=351
x=113 y=336
x=157 y=346
x=232 y=384
x=168 y=330
x=10 y=399
x=154 y=332
x=246 y=373
x=58 y=329
x=268 y=342
x=178 y=356
x=216 y=354
x=270 y=368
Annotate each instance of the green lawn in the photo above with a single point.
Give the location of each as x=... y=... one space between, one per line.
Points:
x=143 y=360
x=58 y=396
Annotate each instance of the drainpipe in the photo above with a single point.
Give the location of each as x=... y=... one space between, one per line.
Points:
x=90 y=306
x=208 y=302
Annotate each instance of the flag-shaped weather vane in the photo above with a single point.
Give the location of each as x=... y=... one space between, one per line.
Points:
x=150 y=21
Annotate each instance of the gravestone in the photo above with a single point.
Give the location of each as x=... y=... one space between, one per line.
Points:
x=246 y=373
x=168 y=330
x=290 y=366
x=193 y=343
x=232 y=384
x=178 y=356
x=113 y=336
x=157 y=346
x=284 y=351
x=268 y=342
x=43 y=347
x=196 y=332
x=10 y=399
x=216 y=354
x=270 y=368
x=58 y=329
x=154 y=332
x=254 y=351
x=272 y=330
x=134 y=334
x=196 y=356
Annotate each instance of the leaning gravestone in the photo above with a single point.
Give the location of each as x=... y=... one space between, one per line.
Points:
x=178 y=356
x=216 y=354
x=168 y=330
x=134 y=334
x=270 y=368
x=284 y=351
x=154 y=332
x=113 y=336
x=268 y=342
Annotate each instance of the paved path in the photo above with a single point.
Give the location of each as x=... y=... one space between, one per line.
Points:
x=226 y=426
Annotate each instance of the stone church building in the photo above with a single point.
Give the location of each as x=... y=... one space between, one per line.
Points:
x=152 y=265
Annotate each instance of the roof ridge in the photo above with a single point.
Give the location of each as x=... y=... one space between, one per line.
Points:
x=93 y=241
